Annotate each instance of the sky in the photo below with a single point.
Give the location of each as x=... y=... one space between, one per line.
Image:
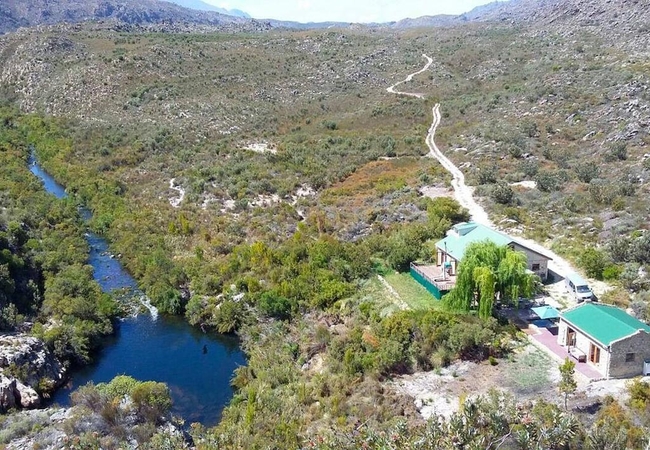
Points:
x=347 y=10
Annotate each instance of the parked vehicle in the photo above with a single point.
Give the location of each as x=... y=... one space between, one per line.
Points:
x=578 y=288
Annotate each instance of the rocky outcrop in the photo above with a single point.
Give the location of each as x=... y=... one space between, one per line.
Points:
x=27 y=366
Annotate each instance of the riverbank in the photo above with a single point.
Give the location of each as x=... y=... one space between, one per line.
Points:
x=196 y=365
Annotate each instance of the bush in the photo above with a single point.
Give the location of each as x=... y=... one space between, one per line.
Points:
x=593 y=261
x=549 y=181
x=152 y=399
x=447 y=208
x=612 y=272
x=273 y=305
x=487 y=174
x=228 y=316
x=617 y=297
x=639 y=395
x=586 y=171
x=502 y=193
x=529 y=167
x=617 y=151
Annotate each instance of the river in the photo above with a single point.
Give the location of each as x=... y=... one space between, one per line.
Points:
x=196 y=366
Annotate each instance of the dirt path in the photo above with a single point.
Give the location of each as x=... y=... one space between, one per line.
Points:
x=464 y=194
x=397 y=300
x=409 y=78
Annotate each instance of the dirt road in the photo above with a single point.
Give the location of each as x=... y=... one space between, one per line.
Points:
x=464 y=194
x=409 y=78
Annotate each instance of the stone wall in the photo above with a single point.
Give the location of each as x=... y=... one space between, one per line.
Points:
x=534 y=258
x=637 y=344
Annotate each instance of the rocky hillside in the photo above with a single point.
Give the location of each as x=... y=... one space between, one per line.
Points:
x=614 y=19
x=619 y=18
x=24 y=13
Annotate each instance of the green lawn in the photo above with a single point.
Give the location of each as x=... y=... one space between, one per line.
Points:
x=411 y=292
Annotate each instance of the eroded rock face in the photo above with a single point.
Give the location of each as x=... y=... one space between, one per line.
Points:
x=26 y=365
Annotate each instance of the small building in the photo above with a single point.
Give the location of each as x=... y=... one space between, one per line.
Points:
x=440 y=278
x=452 y=248
x=607 y=338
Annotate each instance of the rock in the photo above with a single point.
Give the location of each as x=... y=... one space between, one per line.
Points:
x=28 y=352
x=28 y=397
x=26 y=364
x=7 y=393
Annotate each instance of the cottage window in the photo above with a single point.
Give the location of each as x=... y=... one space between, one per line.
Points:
x=535 y=267
x=629 y=357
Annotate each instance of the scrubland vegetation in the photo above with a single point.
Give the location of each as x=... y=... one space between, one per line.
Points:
x=43 y=273
x=283 y=246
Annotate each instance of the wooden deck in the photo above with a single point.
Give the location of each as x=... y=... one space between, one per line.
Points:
x=435 y=276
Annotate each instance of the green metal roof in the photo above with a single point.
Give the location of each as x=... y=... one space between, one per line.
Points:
x=470 y=232
x=603 y=323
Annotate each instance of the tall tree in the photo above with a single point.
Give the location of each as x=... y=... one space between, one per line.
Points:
x=489 y=271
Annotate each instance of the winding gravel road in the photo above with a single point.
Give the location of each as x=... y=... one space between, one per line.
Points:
x=464 y=194
x=409 y=78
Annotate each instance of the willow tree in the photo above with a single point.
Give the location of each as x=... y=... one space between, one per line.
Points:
x=487 y=272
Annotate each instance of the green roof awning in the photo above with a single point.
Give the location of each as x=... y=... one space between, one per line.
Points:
x=603 y=323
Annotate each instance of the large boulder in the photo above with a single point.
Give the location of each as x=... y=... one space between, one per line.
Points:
x=32 y=359
x=14 y=394
x=27 y=396
x=27 y=366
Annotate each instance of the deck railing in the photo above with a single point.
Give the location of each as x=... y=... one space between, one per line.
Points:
x=442 y=285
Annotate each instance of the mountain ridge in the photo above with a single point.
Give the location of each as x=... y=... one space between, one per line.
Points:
x=203 y=6
x=21 y=13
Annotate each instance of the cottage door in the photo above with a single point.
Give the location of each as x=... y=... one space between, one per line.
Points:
x=594 y=354
x=571 y=338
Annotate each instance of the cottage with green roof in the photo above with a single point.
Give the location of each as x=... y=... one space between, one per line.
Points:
x=607 y=338
x=452 y=248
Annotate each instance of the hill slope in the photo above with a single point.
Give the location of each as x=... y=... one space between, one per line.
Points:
x=23 y=13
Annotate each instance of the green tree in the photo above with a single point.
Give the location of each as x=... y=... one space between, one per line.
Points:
x=594 y=262
x=447 y=208
x=568 y=383
x=486 y=272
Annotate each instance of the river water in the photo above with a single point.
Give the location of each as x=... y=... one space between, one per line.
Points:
x=196 y=366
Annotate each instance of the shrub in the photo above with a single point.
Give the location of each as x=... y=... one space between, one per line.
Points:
x=228 y=316
x=594 y=262
x=272 y=304
x=586 y=171
x=152 y=399
x=487 y=174
x=617 y=297
x=529 y=167
x=548 y=181
x=639 y=395
x=612 y=272
x=502 y=193
x=617 y=151
x=447 y=208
